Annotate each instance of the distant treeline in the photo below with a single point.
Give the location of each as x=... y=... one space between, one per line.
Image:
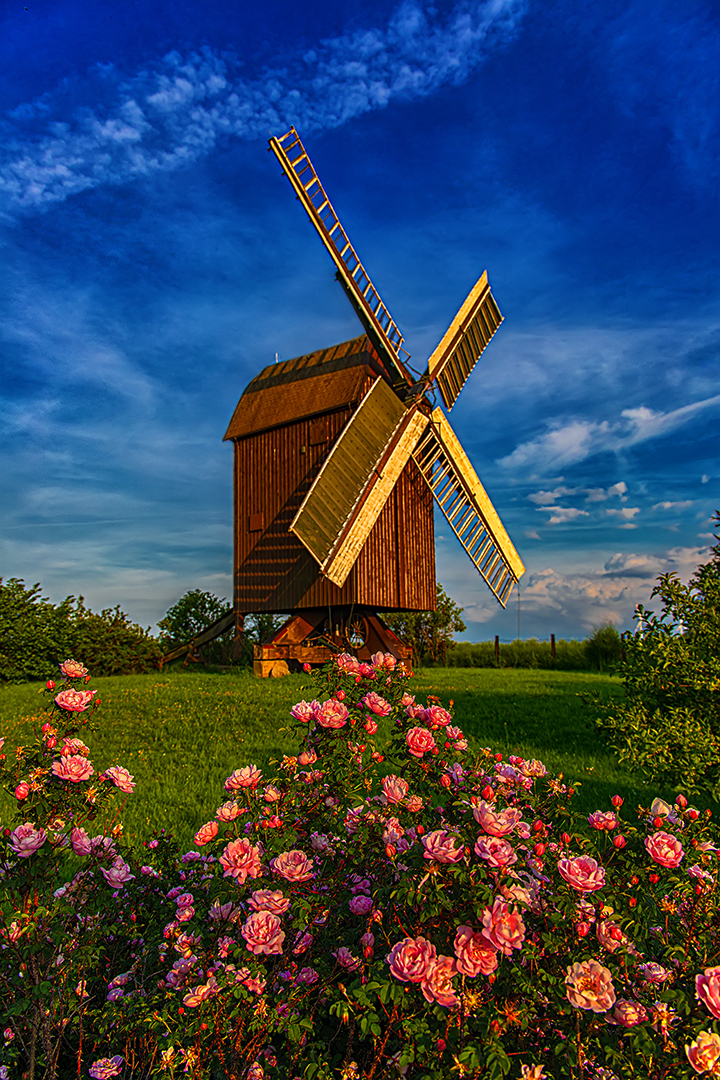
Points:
x=600 y=652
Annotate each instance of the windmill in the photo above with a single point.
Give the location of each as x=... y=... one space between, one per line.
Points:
x=338 y=457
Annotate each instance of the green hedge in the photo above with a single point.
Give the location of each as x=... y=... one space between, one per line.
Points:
x=569 y=655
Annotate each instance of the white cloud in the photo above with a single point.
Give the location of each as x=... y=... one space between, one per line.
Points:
x=532 y=534
x=173 y=112
x=626 y=512
x=561 y=514
x=542 y=498
x=673 y=505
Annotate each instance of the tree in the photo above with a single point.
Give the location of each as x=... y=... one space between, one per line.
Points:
x=604 y=647
x=668 y=725
x=429 y=633
x=198 y=610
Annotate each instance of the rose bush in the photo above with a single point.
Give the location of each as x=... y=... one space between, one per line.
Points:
x=399 y=907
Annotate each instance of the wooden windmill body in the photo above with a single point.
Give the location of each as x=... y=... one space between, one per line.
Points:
x=338 y=457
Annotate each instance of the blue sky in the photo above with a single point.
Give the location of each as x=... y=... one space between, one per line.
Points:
x=155 y=259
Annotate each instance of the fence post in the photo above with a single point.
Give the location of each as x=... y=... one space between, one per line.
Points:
x=552 y=645
x=497 y=649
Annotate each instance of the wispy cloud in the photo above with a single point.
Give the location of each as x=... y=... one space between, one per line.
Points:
x=559 y=515
x=173 y=112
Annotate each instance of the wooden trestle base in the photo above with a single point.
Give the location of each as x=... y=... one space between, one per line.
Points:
x=316 y=635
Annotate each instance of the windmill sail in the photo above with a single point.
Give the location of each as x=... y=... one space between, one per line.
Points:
x=467 y=508
x=363 y=295
x=464 y=341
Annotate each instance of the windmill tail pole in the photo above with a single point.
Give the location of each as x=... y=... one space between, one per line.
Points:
x=209 y=634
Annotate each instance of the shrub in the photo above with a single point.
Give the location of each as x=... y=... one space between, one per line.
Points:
x=604 y=647
x=668 y=725
x=530 y=653
x=397 y=906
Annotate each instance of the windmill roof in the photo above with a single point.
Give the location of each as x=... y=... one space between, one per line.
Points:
x=308 y=385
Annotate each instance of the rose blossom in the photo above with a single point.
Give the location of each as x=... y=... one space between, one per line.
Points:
x=707 y=990
x=223 y=912
x=121 y=778
x=206 y=833
x=302 y=942
x=411 y=958
x=346 y=959
x=268 y=900
x=198 y=994
x=495 y=823
x=495 y=851
x=437 y=717
x=703 y=1054
x=118 y=874
x=80 y=841
x=74 y=746
x=22 y=790
x=304 y=711
x=628 y=1013
x=307 y=757
x=26 y=839
x=247 y=777
x=503 y=928
x=263 y=934
x=360 y=905
x=377 y=704
x=603 y=820
x=271 y=793
x=73 y=768
x=440 y=847
x=590 y=986
x=394 y=788
x=75 y=700
x=229 y=811
x=241 y=860
x=582 y=873
x=332 y=714
x=654 y=973
x=664 y=849
x=73 y=669
x=419 y=741
x=104 y=1068
x=474 y=955
x=293 y=866
x=414 y=803
x=437 y=984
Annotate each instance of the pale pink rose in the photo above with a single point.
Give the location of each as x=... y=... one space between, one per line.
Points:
x=407 y=699
x=523 y=830
x=603 y=820
x=503 y=928
x=415 y=712
x=307 y=757
x=437 y=984
x=118 y=874
x=612 y=938
x=377 y=704
x=419 y=741
x=664 y=849
x=121 y=778
x=495 y=851
x=73 y=768
x=115 y=994
x=198 y=994
x=104 y=1068
x=185 y=914
x=394 y=788
x=590 y=986
x=704 y=1053
x=332 y=714
x=533 y=1072
x=582 y=873
x=229 y=811
x=263 y=934
x=495 y=822
x=223 y=912
x=26 y=839
x=393 y=831
x=272 y=794
x=437 y=717
x=293 y=866
x=247 y=777
x=370 y=726
x=80 y=841
x=268 y=900
x=346 y=959
x=241 y=860
x=304 y=711
x=185 y=900
x=346 y=662
x=361 y=905
x=307 y=975
x=628 y=1013
x=75 y=700
x=414 y=803
x=74 y=746
x=411 y=958
x=474 y=955
x=206 y=833
x=654 y=973
x=73 y=669
x=707 y=990
x=256 y=1071
x=440 y=847
x=302 y=942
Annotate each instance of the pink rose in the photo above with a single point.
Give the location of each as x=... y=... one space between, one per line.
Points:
x=201 y=993
x=411 y=958
x=437 y=984
x=22 y=791
x=269 y=900
x=104 y=1068
x=73 y=746
x=474 y=955
x=263 y=934
x=241 y=860
x=664 y=849
x=371 y=726
x=440 y=847
x=206 y=833
x=590 y=986
x=394 y=788
x=707 y=990
x=118 y=874
x=654 y=973
x=26 y=839
x=121 y=778
x=346 y=959
x=628 y=1013
x=73 y=669
x=332 y=714
x=272 y=794
x=437 y=717
x=293 y=866
x=75 y=700
x=347 y=663
x=495 y=823
x=73 y=768
x=419 y=741
x=603 y=820
x=612 y=938
x=503 y=928
x=407 y=699
x=229 y=811
x=582 y=873
x=302 y=942
x=704 y=1053
x=304 y=711
x=248 y=777
x=495 y=851
x=307 y=757
x=80 y=841
x=377 y=704
x=361 y=905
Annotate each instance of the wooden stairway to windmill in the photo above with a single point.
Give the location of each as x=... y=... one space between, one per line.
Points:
x=338 y=456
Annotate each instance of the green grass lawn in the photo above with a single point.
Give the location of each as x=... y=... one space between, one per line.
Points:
x=181 y=733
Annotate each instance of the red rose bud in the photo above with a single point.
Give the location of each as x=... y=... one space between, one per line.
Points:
x=421 y=830
x=582 y=929
x=488 y=793
x=681 y=801
x=538 y=826
x=445 y=781
x=498 y=757
x=539 y=850
x=377 y=757
x=50 y=684
x=495 y=1027
x=693 y=814
x=87 y=678
x=634 y=880
x=653 y=879
x=306 y=668
x=441 y=1044
x=565 y=838
x=632 y=902
x=658 y=822
x=340 y=696
x=390 y=851
x=22 y=790
x=435 y=750
x=698 y=890
x=51 y=742
x=616 y=801
x=571 y=791
x=619 y=841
